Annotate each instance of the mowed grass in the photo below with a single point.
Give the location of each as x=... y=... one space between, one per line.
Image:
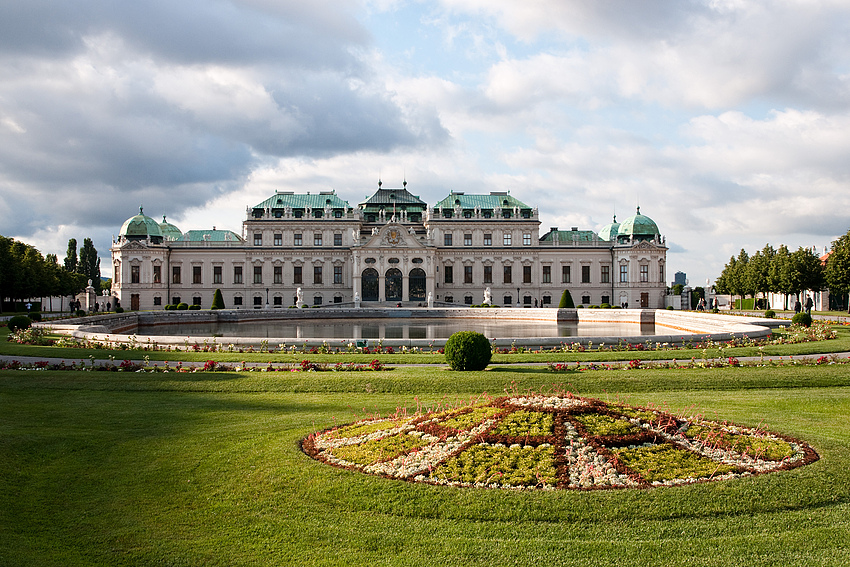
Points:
x=104 y=468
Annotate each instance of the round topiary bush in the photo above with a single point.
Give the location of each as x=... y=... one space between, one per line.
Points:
x=803 y=319
x=19 y=322
x=182 y=307
x=194 y=307
x=81 y=313
x=468 y=350
x=770 y=313
x=119 y=309
x=34 y=316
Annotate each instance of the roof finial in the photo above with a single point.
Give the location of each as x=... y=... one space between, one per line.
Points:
x=379 y=183
x=615 y=217
x=638 y=209
x=141 y=212
x=163 y=218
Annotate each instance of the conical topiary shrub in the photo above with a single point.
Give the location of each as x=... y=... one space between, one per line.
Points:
x=566 y=301
x=218 y=300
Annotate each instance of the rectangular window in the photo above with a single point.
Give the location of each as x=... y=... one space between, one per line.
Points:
x=134 y=274
x=258 y=239
x=547 y=300
x=175 y=300
x=237 y=300
x=526 y=274
x=258 y=274
x=488 y=274
x=467 y=240
x=337 y=274
x=278 y=239
x=506 y=239
x=507 y=274
x=196 y=274
x=447 y=239
x=507 y=300
x=278 y=274
x=565 y=274
x=488 y=240
x=317 y=274
x=624 y=273
x=157 y=300
x=175 y=274
x=258 y=301
x=196 y=301
x=297 y=239
x=337 y=239
x=237 y=274
x=278 y=301
x=317 y=239
x=605 y=275
x=547 y=274
x=448 y=274
x=585 y=274
x=157 y=274
x=526 y=239
x=606 y=299
x=296 y=275
x=217 y=274
x=467 y=274
x=644 y=273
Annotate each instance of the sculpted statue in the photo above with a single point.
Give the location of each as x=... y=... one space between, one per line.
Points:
x=299 y=297
x=430 y=300
x=488 y=299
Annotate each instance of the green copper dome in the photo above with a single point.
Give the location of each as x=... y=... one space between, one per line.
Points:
x=639 y=226
x=609 y=231
x=169 y=231
x=140 y=227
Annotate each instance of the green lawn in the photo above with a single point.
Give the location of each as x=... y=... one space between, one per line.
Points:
x=205 y=469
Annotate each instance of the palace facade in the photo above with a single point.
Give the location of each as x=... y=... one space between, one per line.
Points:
x=391 y=249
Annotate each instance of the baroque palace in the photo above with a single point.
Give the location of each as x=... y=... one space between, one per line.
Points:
x=391 y=249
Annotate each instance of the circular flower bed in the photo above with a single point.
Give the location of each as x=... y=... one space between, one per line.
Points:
x=555 y=442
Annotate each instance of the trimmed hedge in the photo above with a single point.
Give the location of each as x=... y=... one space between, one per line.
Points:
x=19 y=322
x=566 y=301
x=468 y=350
x=803 y=319
x=218 y=300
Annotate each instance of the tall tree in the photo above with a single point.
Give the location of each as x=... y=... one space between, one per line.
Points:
x=71 y=256
x=837 y=272
x=780 y=273
x=89 y=264
x=758 y=271
x=806 y=271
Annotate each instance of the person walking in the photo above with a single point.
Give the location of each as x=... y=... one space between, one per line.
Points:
x=809 y=304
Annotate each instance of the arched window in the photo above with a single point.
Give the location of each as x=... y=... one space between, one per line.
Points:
x=393 y=285
x=416 y=285
x=369 y=284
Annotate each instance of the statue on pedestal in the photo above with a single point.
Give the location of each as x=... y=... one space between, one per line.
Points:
x=299 y=297
x=430 y=300
x=356 y=300
x=488 y=299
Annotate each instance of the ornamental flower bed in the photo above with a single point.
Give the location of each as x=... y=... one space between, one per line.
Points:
x=208 y=366
x=555 y=442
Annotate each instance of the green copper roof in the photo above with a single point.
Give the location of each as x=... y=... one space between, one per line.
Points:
x=303 y=201
x=569 y=236
x=638 y=225
x=211 y=236
x=140 y=226
x=491 y=201
x=169 y=231
x=609 y=231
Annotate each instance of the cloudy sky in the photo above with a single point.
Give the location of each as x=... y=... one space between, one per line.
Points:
x=727 y=121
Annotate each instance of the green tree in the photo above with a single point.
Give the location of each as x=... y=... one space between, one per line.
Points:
x=837 y=272
x=758 y=271
x=780 y=273
x=71 y=256
x=89 y=264
x=806 y=271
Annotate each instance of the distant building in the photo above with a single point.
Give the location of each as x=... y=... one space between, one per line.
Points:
x=392 y=248
x=681 y=278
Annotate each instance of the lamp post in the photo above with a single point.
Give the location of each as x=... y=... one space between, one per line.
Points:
x=518 y=304
x=267 y=298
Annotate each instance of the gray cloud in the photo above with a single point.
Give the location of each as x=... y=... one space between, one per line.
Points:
x=174 y=103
